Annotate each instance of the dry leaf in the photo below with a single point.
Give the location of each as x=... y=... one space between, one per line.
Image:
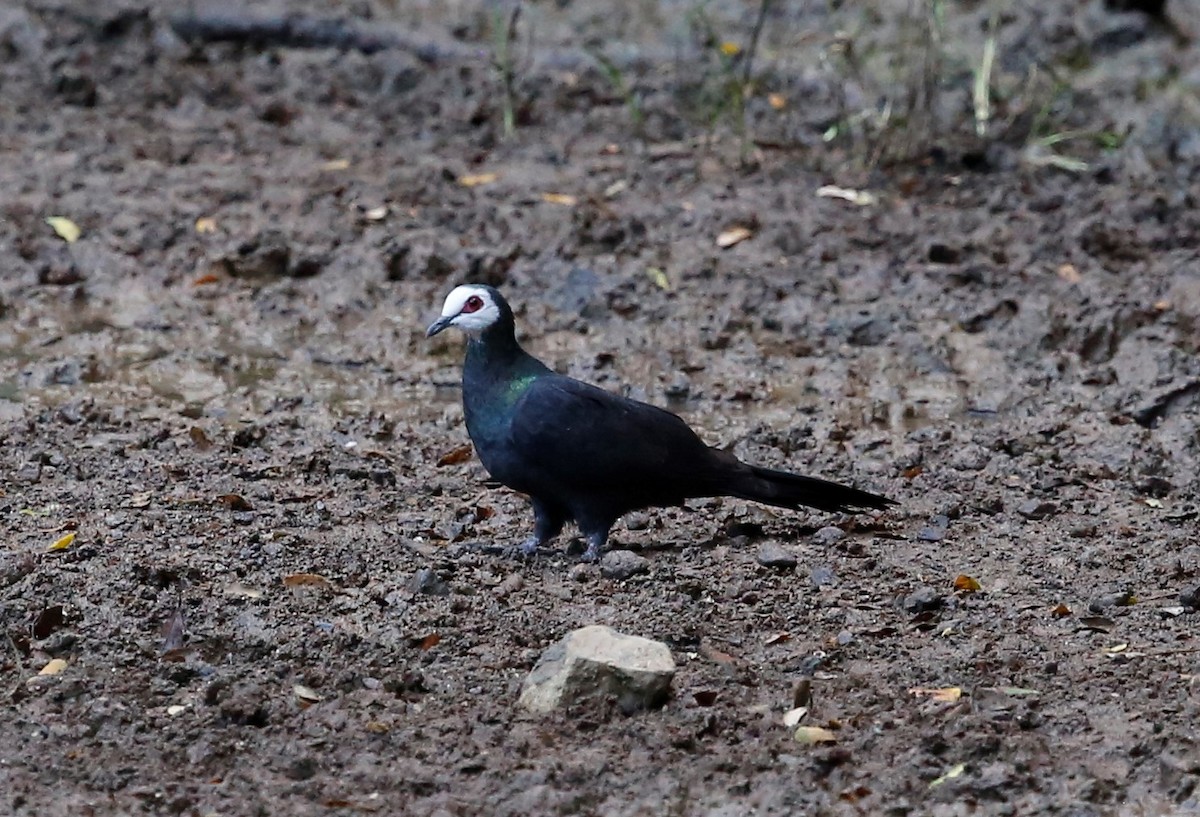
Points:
x=862 y=198
x=242 y=591
x=814 y=734
x=477 y=179
x=616 y=188
x=199 y=438
x=66 y=229
x=560 y=198
x=305 y=580
x=306 y=696
x=1101 y=624
x=376 y=213
x=142 y=499
x=235 y=502
x=966 y=584
x=659 y=277
x=1116 y=648
x=62 y=543
x=174 y=630
x=53 y=667
x=206 y=224
x=954 y=771
x=1068 y=273
x=912 y=473
x=777 y=101
x=427 y=642
x=792 y=717
x=730 y=49
x=336 y=164
x=716 y=656
x=734 y=235
x=1061 y=611
x=946 y=695
x=778 y=638
x=456 y=455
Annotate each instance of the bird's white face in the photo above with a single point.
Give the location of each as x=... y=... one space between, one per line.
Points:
x=470 y=308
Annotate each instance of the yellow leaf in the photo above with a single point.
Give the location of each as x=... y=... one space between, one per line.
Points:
x=336 y=164
x=206 y=225
x=954 y=771
x=734 y=235
x=946 y=695
x=659 y=277
x=863 y=198
x=814 y=734
x=62 y=543
x=777 y=101
x=305 y=580
x=966 y=584
x=66 y=229
x=476 y=179
x=730 y=49
x=53 y=667
x=560 y=198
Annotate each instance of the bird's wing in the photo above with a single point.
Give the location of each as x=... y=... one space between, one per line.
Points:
x=587 y=439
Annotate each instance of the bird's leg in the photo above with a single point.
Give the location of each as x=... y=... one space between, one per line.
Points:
x=547 y=523
x=595 y=544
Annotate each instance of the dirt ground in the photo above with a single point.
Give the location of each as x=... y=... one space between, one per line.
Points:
x=281 y=598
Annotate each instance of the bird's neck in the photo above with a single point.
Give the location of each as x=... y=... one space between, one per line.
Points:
x=494 y=356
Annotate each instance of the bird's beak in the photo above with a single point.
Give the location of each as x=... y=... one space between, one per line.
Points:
x=438 y=325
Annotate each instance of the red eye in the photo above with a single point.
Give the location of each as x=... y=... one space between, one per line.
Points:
x=473 y=304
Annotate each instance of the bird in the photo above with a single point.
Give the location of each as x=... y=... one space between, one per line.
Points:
x=586 y=455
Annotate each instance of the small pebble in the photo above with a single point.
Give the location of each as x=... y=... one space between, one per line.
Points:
x=511 y=584
x=1102 y=604
x=622 y=564
x=828 y=535
x=582 y=572
x=428 y=582
x=776 y=556
x=823 y=576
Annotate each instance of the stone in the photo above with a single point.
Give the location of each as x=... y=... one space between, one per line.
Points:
x=828 y=535
x=776 y=556
x=923 y=600
x=597 y=662
x=623 y=564
x=1033 y=509
x=428 y=582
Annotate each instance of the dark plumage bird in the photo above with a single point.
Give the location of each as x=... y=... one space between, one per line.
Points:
x=586 y=455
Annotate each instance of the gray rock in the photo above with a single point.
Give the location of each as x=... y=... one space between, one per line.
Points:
x=1035 y=509
x=1190 y=597
x=823 y=576
x=622 y=564
x=598 y=662
x=775 y=555
x=923 y=600
x=828 y=535
x=427 y=581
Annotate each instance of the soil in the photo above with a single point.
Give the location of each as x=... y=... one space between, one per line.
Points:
x=284 y=594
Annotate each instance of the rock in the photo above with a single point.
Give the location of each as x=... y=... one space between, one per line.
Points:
x=598 y=662
x=923 y=600
x=582 y=572
x=1102 y=604
x=828 y=535
x=511 y=584
x=428 y=582
x=775 y=555
x=823 y=576
x=622 y=564
x=1035 y=509
x=1190 y=597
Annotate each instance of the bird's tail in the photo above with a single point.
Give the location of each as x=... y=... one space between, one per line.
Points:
x=785 y=490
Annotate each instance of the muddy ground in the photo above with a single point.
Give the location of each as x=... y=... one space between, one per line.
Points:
x=281 y=598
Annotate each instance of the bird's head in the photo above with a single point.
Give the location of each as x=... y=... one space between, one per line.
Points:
x=473 y=308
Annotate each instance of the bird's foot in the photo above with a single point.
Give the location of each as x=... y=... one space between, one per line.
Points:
x=529 y=548
x=593 y=553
